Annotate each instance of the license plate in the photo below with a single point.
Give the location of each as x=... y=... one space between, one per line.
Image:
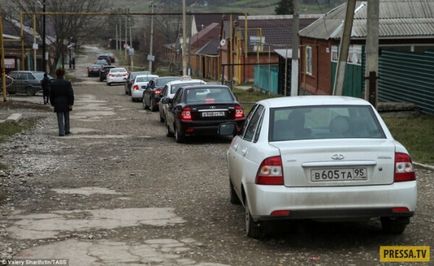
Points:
x=213 y=114
x=340 y=174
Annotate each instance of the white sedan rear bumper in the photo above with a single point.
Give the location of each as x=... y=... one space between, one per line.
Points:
x=116 y=80
x=137 y=94
x=331 y=202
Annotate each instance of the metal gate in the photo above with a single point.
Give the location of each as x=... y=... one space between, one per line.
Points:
x=407 y=77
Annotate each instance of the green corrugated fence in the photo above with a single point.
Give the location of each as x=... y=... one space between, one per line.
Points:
x=266 y=78
x=407 y=77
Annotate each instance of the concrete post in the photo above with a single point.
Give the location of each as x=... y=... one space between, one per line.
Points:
x=338 y=87
x=372 y=50
x=294 y=46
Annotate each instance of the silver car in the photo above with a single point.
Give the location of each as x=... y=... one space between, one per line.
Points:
x=320 y=157
x=26 y=82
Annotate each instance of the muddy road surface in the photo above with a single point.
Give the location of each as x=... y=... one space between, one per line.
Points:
x=119 y=192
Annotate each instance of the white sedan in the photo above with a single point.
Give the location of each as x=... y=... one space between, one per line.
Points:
x=116 y=75
x=139 y=86
x=321 y=158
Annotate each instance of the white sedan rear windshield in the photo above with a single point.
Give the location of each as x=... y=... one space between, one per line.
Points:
x=113 y=70
x=323 y=122
x=143 y=79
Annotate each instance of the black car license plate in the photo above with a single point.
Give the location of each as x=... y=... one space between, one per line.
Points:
x=213 y=114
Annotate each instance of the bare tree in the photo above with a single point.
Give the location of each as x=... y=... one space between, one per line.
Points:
x=78 y=27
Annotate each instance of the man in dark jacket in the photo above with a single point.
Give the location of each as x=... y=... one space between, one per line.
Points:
x=62 y=99
x=45 y=84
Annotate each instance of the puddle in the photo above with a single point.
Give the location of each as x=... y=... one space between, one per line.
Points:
x=104 y=252
x=87 y=191
x=50 y=225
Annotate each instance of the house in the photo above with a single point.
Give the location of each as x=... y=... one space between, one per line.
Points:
x=406 y=65
x=13 y=47
x=200 y=44
x=201 y=21
x=209 y=60
x=204 y=27
x=251 y=51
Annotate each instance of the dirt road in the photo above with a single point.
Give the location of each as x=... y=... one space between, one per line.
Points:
x=119 y=192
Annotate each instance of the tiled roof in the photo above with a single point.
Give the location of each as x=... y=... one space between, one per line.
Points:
x=398 y=19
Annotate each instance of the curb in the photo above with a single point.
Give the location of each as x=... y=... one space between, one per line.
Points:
x=426 y=166
x=15 y=117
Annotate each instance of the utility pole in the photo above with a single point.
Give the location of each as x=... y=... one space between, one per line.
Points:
x=126 y=36
x=2 y=61
x=151 y=42
x=35 y=45
x=44 y=58
x=294 y=46
x=120 y=35
x=184 y=40
x=372 y=51
x=117 y=37
x=338 y=87
x=23 y=56
x=246 y=47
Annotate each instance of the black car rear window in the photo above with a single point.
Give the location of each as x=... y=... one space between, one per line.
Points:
x=161 y=82
x=208 y=95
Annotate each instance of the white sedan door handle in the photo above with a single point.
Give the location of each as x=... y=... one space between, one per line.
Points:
x=244 y=152
x=235 y=146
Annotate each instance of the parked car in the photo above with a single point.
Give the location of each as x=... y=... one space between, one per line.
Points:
x=131 y=78
x=101 y=62
x=320 y=157
x=116 y=75
x=26 y=82
x=93 y=70
x=139 y=86
x=151 y=96
x=9 y=82
x=106 y=57
x=169 y=91
x=104 y=71
x=201 y=110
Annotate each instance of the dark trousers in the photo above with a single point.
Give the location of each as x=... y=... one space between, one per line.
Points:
x=63 y=122
x=46 y=97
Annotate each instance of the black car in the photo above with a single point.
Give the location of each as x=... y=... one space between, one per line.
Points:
x=103 y=72
x=106 y=58
x=93 y=70
x=203 y=110
x=151 y=96
x=109 y=57
x=131 y=78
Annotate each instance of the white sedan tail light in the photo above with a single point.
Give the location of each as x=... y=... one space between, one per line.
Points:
x=404 y=170
x=270 y=172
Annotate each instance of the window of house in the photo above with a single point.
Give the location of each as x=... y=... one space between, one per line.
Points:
x=308 y=60
x=334 y=54
x=354 y=54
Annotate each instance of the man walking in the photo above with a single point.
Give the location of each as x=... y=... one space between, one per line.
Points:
x=45 y=84
x=62 y=99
